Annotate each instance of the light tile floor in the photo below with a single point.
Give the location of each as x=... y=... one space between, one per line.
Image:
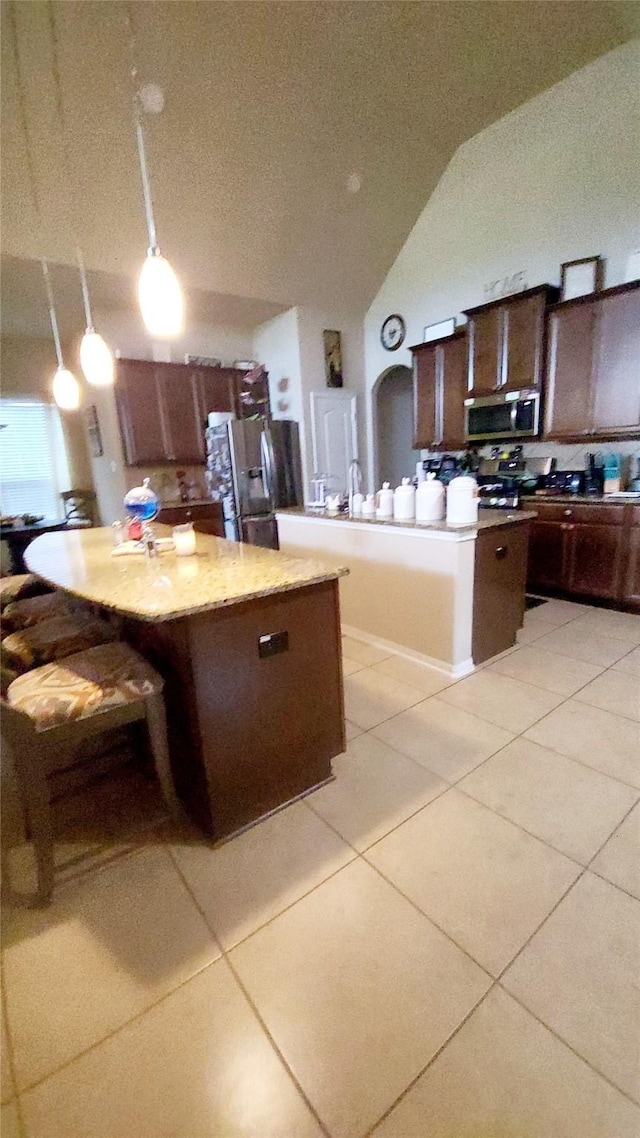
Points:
x=442 y=943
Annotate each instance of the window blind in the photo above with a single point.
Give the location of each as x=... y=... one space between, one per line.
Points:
x=33 y=462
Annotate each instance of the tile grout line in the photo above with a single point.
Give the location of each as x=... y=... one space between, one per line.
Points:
x=250 y=1002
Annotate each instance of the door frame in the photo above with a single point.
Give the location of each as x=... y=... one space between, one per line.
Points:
x=373 y=449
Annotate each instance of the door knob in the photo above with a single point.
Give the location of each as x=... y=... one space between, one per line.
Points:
x=501 y=552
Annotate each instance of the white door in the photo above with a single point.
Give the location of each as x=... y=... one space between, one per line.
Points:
x=334 y=436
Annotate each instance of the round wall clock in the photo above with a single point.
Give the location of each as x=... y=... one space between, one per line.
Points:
x=392 y=332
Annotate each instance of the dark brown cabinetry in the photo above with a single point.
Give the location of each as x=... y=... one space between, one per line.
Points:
x=506 y=342
x=163 y=408
x=439 y=388
x=206 y=517
x=631 y=584
x=579 y=549
x=593 y=368
x=498 y=588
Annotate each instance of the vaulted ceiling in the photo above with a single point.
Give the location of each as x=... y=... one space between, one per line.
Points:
x=270 y=107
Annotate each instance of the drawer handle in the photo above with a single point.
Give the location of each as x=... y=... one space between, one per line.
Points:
x=501 y=552
x=568 y=513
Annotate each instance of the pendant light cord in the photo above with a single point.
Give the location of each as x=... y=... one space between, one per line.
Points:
x=24 y=123
x=85 y=291
x=139 y=132
x=52 y=312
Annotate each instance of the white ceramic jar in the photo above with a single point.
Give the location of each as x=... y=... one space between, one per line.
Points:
x=462 y=501
x=430 y=500
x=357 y=502
x=369 y=506
x=404 y=502
x=384 y=501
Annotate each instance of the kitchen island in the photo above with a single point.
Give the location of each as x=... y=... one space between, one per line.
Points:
x=248 y=643
x=449 y=596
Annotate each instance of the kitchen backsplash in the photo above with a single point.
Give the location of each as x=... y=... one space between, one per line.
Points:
x=164 y=481
x=570 y=456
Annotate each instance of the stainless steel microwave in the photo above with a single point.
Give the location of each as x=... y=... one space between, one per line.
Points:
x=510 y=415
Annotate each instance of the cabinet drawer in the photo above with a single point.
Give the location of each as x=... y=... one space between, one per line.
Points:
x=206 y=518
x=635 y=516
x=580 y=512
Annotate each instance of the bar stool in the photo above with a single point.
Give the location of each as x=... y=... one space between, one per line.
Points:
x=31 y=610
x=61 y=703
x=19 y=586
x=53 y=639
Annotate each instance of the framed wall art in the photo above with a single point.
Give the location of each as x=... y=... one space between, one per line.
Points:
x=93 y=431
x=581 y=278
x=332 y=358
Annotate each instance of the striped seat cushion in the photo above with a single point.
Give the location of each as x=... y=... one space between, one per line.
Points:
x=53 y=640
x=25 y=613
x=82 y=685
x=19 y=587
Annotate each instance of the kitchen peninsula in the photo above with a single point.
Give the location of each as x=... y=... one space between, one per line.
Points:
x=451 y=597
x=248 y=643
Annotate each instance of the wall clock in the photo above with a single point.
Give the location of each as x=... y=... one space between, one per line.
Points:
x=392 y=332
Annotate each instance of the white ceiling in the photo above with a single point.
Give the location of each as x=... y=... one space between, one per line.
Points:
x=269 y=108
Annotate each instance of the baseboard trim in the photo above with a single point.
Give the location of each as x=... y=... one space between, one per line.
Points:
x=453 y=671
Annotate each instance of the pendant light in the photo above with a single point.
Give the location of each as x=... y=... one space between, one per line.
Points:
x=66 y=389
x=159 y=292
x=95 y=356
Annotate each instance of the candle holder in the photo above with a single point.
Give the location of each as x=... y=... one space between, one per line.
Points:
x=184 y=538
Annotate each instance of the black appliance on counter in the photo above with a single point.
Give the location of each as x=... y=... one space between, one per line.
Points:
x=564 y=482
x=254 y=469
x=593 y=476
x=444 y=466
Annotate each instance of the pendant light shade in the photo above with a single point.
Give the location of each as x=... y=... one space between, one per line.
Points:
x=96 y=359
x=66 y=390
x=160 y=296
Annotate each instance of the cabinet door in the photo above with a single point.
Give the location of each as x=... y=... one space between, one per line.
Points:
x=547 y=555
x=424 y=397
x=484 y=352
x=179 y=400
x=595 y=561
x=616 y=402
x=453 y=393
x=217 y=389
x=498 y=589
x=139 y=411
x=569 y=368
x=631 y=584
x=523 y=343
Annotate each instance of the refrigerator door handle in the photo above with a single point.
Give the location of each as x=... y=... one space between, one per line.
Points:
x=266 y=451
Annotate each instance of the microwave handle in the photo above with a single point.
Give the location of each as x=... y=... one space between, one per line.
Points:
x=514 y=416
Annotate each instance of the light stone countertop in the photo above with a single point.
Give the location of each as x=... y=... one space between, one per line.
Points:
x=168 y=587
x=487 y=519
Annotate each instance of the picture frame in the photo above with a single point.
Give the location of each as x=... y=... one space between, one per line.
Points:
x=332 y=357
x=581 y=278
x=440 y=330
x=94 y=435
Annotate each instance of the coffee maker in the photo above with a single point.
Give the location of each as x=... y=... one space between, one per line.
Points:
x=594 y=477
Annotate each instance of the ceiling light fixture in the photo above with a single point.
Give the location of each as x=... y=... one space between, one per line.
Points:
x=95 y=356
x=66 y=389
x=159 y=292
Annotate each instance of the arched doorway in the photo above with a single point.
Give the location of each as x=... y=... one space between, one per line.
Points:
x=392 y=399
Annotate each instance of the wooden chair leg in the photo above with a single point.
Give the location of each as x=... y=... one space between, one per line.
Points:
x=34 y=796
x=157 y=728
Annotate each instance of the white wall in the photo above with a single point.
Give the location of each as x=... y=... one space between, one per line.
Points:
x=555 y=180
x=276 y=344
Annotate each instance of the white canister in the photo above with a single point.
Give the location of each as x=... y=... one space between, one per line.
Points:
x=430 y=500
x=384 y=501
x=462 y=501
x=369 y=506
x=357 y=503
x=404 y=502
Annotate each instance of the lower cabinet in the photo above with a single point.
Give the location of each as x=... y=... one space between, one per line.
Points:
x=206 y=517
x=498 y=588
x=586 y=550
x=631 y=583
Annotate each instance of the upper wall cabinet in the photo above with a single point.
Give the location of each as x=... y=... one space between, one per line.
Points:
x=506 y=342
x=439 y=389
x=593 y=368
x=163 y=408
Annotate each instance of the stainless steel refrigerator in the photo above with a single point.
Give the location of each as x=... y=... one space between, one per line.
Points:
x=254 y=469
